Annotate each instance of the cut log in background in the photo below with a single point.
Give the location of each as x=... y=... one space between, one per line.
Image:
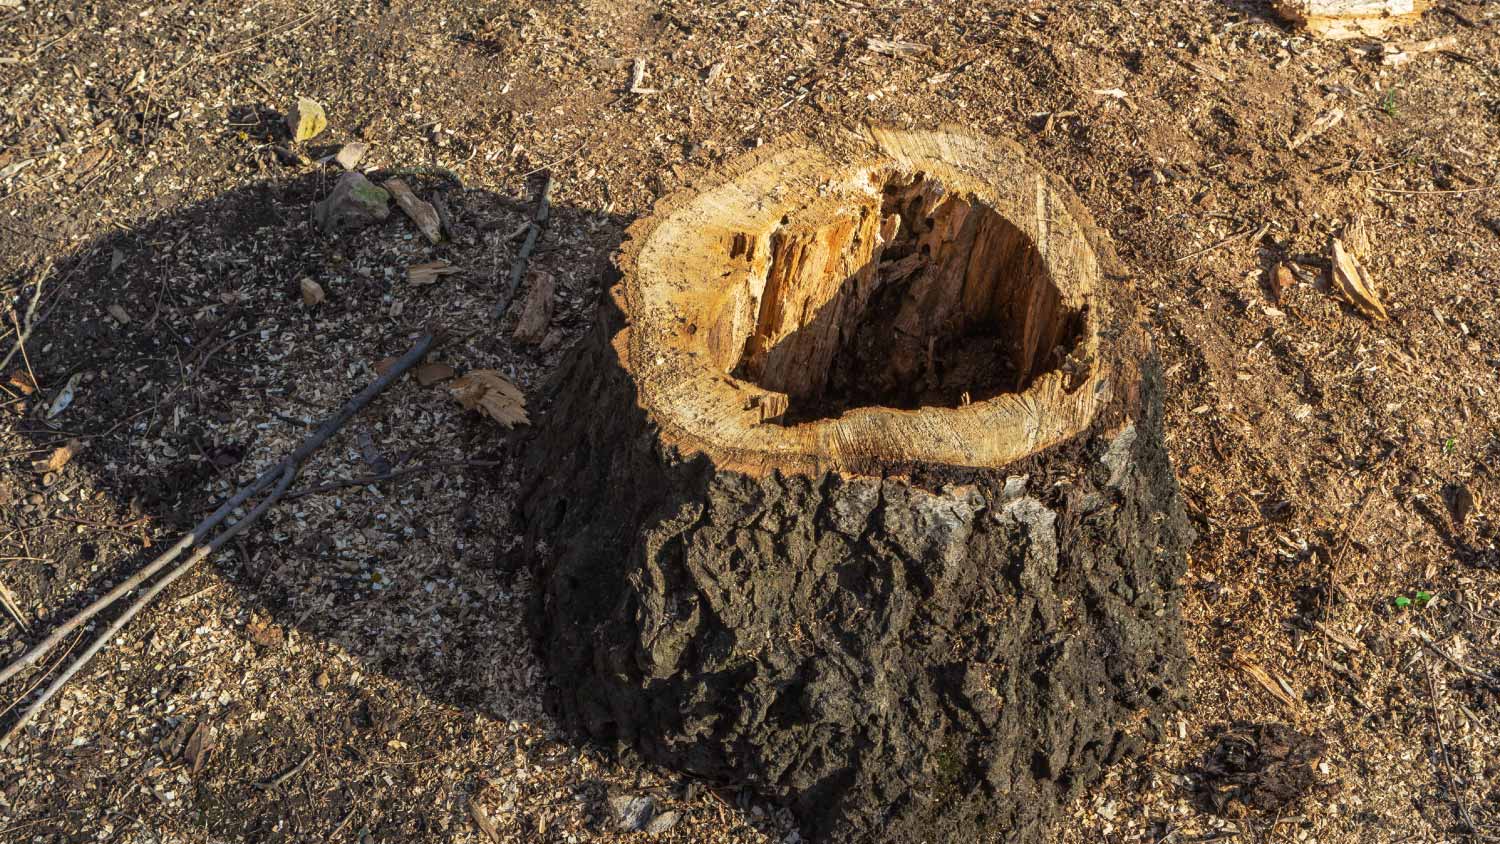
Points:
x=857 y=493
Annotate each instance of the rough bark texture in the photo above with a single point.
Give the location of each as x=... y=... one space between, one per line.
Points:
x=943 y=655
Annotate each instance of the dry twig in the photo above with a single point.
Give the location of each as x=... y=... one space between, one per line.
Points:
x=285 y=470
x=523 y=258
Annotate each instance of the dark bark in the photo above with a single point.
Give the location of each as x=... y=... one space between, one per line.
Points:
x=941 y=656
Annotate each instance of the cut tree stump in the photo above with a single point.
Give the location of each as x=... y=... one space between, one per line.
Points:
x=857 y=493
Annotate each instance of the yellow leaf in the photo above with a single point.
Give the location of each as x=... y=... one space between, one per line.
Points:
x=307 y=120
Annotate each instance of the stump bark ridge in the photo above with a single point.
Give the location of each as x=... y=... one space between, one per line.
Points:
x=856 y=494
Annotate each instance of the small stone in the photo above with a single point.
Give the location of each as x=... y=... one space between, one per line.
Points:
x=663 y=822
x=354 y=203
x=633 y=812
x=312 y=292
x=322 y=680
x=351 y=154
x=34 y=499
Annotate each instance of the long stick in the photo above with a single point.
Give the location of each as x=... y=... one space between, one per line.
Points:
x=287 y=473
x=534 y=231
x=308 y=446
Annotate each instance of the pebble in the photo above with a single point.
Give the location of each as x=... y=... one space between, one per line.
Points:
x=663 y=822
x=633 y=812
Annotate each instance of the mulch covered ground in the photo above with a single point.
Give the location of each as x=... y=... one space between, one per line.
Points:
x=357 y=667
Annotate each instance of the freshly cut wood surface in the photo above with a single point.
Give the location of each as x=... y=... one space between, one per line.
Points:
x=741 y=303
x=1351 y=18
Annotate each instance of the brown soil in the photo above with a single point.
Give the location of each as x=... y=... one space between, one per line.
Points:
x=1331 y=464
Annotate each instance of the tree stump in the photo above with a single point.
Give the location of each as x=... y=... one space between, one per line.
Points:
x=857 y=494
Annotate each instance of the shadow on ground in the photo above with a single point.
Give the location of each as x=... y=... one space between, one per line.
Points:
x=194 y=363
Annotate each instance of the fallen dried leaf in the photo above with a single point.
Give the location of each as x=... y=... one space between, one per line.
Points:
x=1353 y=283
x=22 y=381
x=421 y=275
x=384 y=365
x=199 y=745
x=264 y=633
x=488 y=392
x=431 y=373
x=307 y=120
x=312 y=292
x=59 y=457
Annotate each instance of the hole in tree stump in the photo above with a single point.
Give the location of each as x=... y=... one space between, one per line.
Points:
x=948 y=303
x=923 y=299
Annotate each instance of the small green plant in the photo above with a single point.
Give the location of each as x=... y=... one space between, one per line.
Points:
x=1388 y=102
x=1420 y=600
x=1449 y=445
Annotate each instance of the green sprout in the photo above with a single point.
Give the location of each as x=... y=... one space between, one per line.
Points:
x=1388 y=102
x=1421 y=599
x=1449 y=445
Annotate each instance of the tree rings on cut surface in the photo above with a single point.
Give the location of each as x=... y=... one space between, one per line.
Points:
x=857 y=495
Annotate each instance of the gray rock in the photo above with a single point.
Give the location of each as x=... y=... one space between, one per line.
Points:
x=663 y=822
x=633 y=812
x=353 y=204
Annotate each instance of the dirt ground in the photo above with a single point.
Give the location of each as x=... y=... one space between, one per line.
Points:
x=356 y=668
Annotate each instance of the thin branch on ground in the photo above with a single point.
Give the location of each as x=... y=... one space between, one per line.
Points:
x=285 y=469
x=523 y=258
x=1252 y=234
x=24 y=326
x=288 y=472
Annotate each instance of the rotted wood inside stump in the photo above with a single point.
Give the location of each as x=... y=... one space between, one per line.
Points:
x=857 y=494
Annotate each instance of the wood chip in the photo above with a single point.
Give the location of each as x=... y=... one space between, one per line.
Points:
x=431 y=373
x=1393 y=55
x=1353 y=283
x=1279 y=689
x=421 y=275
x=897 y=49
x=1282 y=280
x=1339 y=19
x=312 y=292
x=419 y=210
x=536 y=312
x=118 y=314
x=351 y=154
x=307 y=120
x=488 y=392
x=482 y=820
x=59 y=457
x=1327 y=120
x=637 y=76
